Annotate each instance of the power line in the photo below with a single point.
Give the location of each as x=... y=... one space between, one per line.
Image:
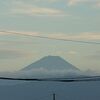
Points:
x=52 y=38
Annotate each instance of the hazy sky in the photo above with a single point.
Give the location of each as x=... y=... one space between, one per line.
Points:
x=68 y=19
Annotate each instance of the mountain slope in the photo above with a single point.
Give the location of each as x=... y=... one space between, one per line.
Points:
x=51 y=63
x=50 y=67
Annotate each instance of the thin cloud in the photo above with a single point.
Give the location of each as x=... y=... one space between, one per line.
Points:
x=2 y=33
x=95 y=3
x=16 y=3
x=81 y=36
x=74 y=2
x=20 y=7
x=36 y=11
x=12 y=54
x=21 y=32
x=72 y=52
x=95 y=56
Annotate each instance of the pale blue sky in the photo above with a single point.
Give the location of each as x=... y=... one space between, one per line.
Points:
x=70 y=19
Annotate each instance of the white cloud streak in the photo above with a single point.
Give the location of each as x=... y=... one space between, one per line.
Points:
x=90 y=2
x=73 y=2
x=36 y=11
x=19 y=7
x=36 y=3
x=80 y=36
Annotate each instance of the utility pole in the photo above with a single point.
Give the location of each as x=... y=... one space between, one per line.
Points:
x=54 y=96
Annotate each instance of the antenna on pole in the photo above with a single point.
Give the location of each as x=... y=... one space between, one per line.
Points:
x=54 y=96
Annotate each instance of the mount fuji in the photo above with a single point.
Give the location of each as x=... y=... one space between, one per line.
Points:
x=51 y=66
